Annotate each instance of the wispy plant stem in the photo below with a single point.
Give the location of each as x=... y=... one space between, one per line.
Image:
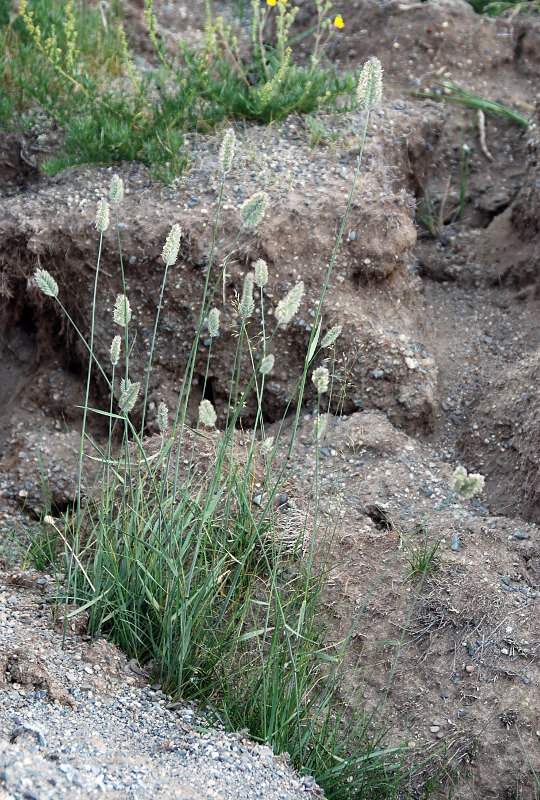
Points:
x=328 y=275
x=88 y=379
x=152 y=346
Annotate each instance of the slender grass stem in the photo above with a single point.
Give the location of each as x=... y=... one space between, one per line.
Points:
x=88 y=379
x=152 y=346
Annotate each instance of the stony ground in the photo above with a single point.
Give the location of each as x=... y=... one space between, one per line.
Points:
x=77 y=719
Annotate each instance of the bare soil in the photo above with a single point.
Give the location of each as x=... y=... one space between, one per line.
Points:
x=440 y=352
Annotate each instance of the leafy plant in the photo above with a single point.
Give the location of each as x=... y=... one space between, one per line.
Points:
x=427 y=216
x=319 y=133
x=42 y=550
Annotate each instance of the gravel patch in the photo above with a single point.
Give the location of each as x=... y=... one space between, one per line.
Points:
x=83 y=723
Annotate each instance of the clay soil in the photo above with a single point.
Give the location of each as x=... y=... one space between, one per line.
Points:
x=440 y=352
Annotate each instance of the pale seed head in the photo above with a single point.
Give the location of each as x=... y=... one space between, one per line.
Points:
x=320 y=378
x=267 y=445
x=116 y=345
x=261 y=272
x=172 y=245
x=226 y=151
x=102 y=216
x=122 y=310
x=128 y=396
x=252 y=210
x=162 y=417
x=207 y=414
x=46 y=282
x=213 y=322
x=289 y=305
x=466 y=484
x=319 y=426
x=116 y=190
x=369 y=89
x=331 y=336
x=247 y=304
x=267 y=365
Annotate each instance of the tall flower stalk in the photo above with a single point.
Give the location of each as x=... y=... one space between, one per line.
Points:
x=102 y=223
x=169 y=256
x=369 y=94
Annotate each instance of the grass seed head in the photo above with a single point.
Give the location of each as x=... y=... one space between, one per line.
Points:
x=320 y=378
x=172 y=245
x=162 y=417
x=331 y=336
x=116 y=190
x=213 y=322
x=252 y=209
x=261 y=273
x=267 y=365
x=207 y=414
x=116 y=345
x=226 y=151
x=122 y=310
x=102 y=216
x=247 y=303
x=129 y=394
x=369 y=89
x=289 y=305
x=319 y=427
x=46 y=282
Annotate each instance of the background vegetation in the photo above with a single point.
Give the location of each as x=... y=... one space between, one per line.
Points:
x=74 y=63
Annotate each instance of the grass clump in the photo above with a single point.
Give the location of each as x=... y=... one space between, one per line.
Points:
x=453 y=93
x=111 y=109
x=510 y=7
x=202 y=571
x=423 y=554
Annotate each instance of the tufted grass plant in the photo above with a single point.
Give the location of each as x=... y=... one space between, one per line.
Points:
x=423 y=553
x=453 y=93
x=206 y=574
x=508 y=7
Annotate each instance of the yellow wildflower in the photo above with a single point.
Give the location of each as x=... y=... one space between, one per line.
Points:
x=271 y=2
x=338 y=21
